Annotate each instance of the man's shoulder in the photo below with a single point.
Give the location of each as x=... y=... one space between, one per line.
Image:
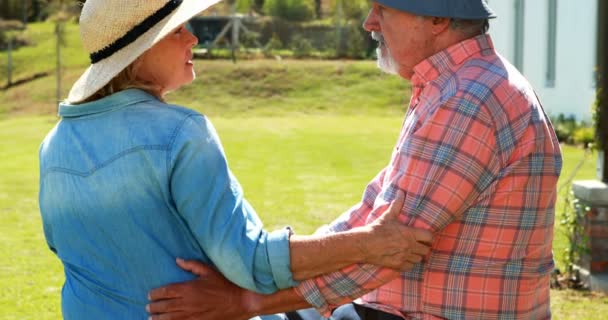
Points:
x=494 y=82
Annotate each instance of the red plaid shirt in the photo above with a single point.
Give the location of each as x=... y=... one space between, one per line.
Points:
x=478 y=161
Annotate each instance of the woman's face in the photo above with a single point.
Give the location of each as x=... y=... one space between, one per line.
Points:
x=168 y=64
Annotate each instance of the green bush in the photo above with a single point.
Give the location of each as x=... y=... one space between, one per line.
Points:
x=273 y=45
x=565 y=127
x=11 y=26
x=357 y=44
x=352 y=9
x=301 y=47
x=250 y=39
x=292 y=10
x=584 y=136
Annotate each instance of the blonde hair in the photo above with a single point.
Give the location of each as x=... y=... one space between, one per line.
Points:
x=126 y=79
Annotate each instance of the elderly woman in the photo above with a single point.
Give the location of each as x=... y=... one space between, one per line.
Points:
x=128 y=183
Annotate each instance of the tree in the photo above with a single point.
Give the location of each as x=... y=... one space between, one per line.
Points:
x=318 y=8
x=351 y=9
x=11 y=9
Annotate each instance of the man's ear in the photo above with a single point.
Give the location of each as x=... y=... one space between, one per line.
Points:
x=440 y=25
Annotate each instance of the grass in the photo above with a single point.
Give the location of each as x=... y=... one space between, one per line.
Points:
x=258 y=88
x=41 y=55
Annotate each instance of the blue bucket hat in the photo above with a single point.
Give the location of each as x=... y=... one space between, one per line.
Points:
x=460 y=9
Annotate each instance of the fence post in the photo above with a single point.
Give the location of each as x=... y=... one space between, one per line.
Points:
x=10 y=61
x=58 y=36
x=24 y=12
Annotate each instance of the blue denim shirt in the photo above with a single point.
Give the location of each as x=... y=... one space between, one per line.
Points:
x=129 y=183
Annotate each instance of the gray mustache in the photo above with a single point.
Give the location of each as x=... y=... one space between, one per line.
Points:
x=378 y=36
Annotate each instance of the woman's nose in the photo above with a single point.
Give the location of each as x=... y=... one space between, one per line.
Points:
x=191 y=38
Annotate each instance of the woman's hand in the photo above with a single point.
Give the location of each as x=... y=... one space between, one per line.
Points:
x=390 y=243
x=210 y=297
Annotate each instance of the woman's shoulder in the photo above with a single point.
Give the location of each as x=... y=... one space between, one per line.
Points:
x=174 y=120
x=168 y=111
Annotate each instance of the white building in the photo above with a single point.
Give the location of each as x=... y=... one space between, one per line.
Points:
x=554 y=44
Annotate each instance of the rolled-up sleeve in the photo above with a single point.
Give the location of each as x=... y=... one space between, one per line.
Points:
x=278 y=255
x=210 y=200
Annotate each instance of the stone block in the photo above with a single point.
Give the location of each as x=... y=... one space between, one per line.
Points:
x=593 y=192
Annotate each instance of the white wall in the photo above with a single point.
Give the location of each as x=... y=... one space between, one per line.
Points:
x=573 y=91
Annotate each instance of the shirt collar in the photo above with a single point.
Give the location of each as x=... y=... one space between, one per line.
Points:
x=112 y=102
x=448 y=59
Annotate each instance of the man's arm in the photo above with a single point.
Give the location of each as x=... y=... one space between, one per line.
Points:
x=199 y=299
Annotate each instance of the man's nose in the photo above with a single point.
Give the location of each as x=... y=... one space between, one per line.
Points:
x=371 y=22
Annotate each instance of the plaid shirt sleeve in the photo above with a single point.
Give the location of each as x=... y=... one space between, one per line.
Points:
x=443 y=161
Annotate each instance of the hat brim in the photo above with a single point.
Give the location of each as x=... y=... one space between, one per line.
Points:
x=99 y=74
x=464 y=9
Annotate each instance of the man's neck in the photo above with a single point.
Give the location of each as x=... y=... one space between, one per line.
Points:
x=449 y=39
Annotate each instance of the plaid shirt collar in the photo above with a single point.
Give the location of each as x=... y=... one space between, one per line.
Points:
x=450 y=58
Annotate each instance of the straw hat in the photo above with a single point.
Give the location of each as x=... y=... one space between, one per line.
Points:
x=116 y=32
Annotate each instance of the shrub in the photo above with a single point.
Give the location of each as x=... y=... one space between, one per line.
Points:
x=250 y=39
x=11 y=26
x=329 y=40
x=357 y=44
x=564 y=127
x=293 y=10
x=301 y=47
x=584 y=136
x=351 y=9
x=272 y=45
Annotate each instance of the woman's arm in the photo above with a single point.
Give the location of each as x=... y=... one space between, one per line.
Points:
x=386 y=242
x=211 y=202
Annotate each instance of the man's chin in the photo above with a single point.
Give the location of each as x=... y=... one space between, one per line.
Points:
x=387 y=67
x=385 y=61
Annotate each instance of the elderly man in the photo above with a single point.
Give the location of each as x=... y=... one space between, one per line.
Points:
x=478 y=161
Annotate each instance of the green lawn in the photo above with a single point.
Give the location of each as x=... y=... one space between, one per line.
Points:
x=41 y=57
x=252 y=88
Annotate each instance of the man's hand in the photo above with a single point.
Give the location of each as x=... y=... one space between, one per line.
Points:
x=393 y=245
x=210 y=297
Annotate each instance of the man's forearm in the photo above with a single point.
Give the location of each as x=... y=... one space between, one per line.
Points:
x=314 y=255
x=280 y=301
